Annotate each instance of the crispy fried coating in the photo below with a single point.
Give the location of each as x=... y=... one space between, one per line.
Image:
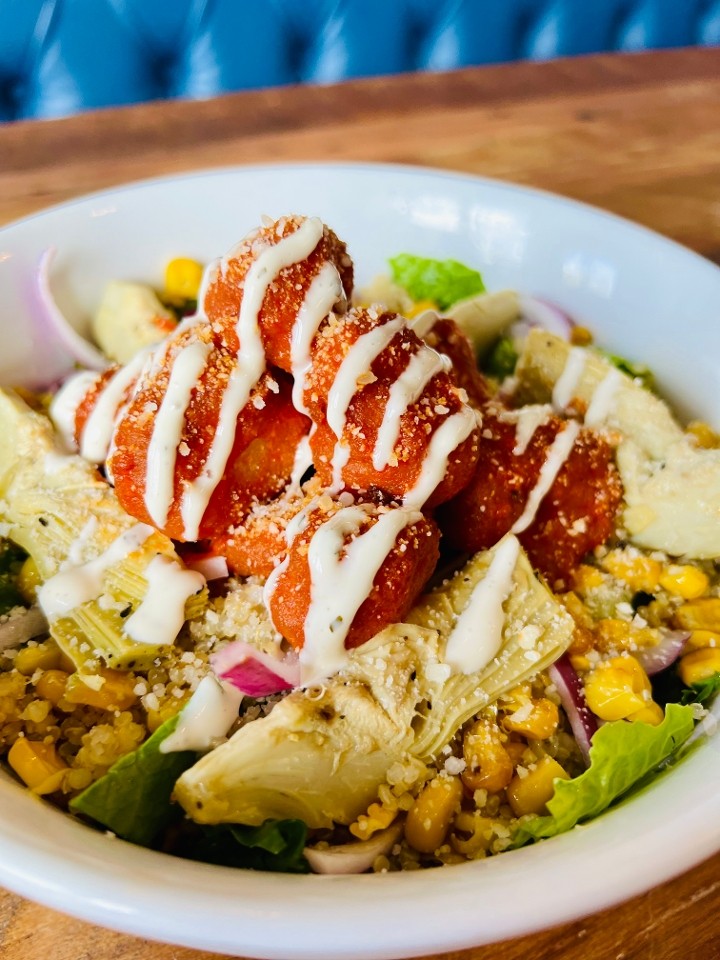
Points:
x=447 y=338
x=266 y=433
x=285 y=295
x=575 y=516
x=438 y=400
x=87 y=404
x=397 y=584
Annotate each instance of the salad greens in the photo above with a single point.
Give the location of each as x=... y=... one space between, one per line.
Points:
x=620 y=755
x=276 y=846
x=703 y=692
x=442 y=281
x=133 y=798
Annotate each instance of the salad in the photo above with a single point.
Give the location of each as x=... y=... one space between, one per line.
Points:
x=299 y=577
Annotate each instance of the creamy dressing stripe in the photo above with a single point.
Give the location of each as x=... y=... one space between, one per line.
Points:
x=339 y=587
x=603 y=398
x=448 y=436
x=558 y=453
x=168 y=427
x=476 y=637
x=407 y=389
x=324 y=293
x=161 y=613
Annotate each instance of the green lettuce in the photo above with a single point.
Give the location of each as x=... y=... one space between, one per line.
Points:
x=276 y=845
x=11 y=560
x=442 y=281
x=703 y=692
x=133 y=798
x=621 y=755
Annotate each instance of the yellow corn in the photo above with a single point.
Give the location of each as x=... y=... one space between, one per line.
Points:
x=472 y=834
x=530 y=793
x=182 y=279
x=704 y=435
x=617 y=688
x=515 y=749
x=51 y=686
x=587 y=578
x=651 y=713
x=29 y=580
x=684 y=581
x=615 y=634
x=639 y=572
x=37 y=764
x=488 y=764
x=377 y=818
x=420 y=307
x=699 y=615
x=429 y=818
x=41 y=656
x=699 y=665
x=699 y=639
x=107 y=690
x=581 y=336
x=539 y=724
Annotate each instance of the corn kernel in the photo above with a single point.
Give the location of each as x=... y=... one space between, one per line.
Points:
x=539 y=723
x=617 y=688
x=530 y=793
x=651 y=713
x=115 y=692
x=420 y=307
x=51 y=686
x=37 y=764
x=515 y=749
x=428 y=820
x=488 y=764
x=42 y=656
x=704 y=435
x=580 y=336
x=587 y=578
x=699 y=615
x=377 y=818
x=182 y=279
x=702 y=638
x=472 y=834
x=29 y=580
x=699 y=665
x=684 y=581
x=639 y=572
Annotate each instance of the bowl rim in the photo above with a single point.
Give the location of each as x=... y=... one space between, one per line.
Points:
x=29 y=866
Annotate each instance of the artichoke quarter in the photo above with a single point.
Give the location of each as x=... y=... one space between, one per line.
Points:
x=323 y=752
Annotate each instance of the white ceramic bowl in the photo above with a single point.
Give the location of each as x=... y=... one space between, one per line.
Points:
x=641 y=294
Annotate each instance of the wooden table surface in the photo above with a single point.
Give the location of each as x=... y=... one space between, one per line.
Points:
x=636 y=134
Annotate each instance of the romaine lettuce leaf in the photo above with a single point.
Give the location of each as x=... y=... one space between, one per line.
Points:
x=133 y=798
x=442 y=281
x=703 y=692
x=276 y=845
x=620 y=755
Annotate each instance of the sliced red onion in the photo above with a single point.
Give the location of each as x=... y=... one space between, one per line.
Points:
x=211 y=567
x=21 y=625
x=663 y=654
x=53 y=325
x=572 y=696
x=354 y=857
x=253 y=672
x=549 y=316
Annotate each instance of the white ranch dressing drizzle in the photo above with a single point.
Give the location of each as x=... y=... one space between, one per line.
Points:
x=65 y=403
x=100 y=425
x=206 y=718
x=603 y=398
x=323 y=294
x=448 y=436
x=528 y=420
x=168 y=428
x=340 y=586
x=356 y=362
x=407 y=389
x=476 y=636
x=423 y=323
x=295 y=527
x=70 y=588
x=250 y=365
x=567 y=382
x=161 y=613
x=341 y=455
x=302 y=462
x=558 y=453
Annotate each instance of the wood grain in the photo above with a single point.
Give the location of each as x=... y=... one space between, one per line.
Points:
x=634 y=134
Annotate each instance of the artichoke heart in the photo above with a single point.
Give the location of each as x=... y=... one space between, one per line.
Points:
x=322 y=753
x=65 y=515
x=671 y=487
